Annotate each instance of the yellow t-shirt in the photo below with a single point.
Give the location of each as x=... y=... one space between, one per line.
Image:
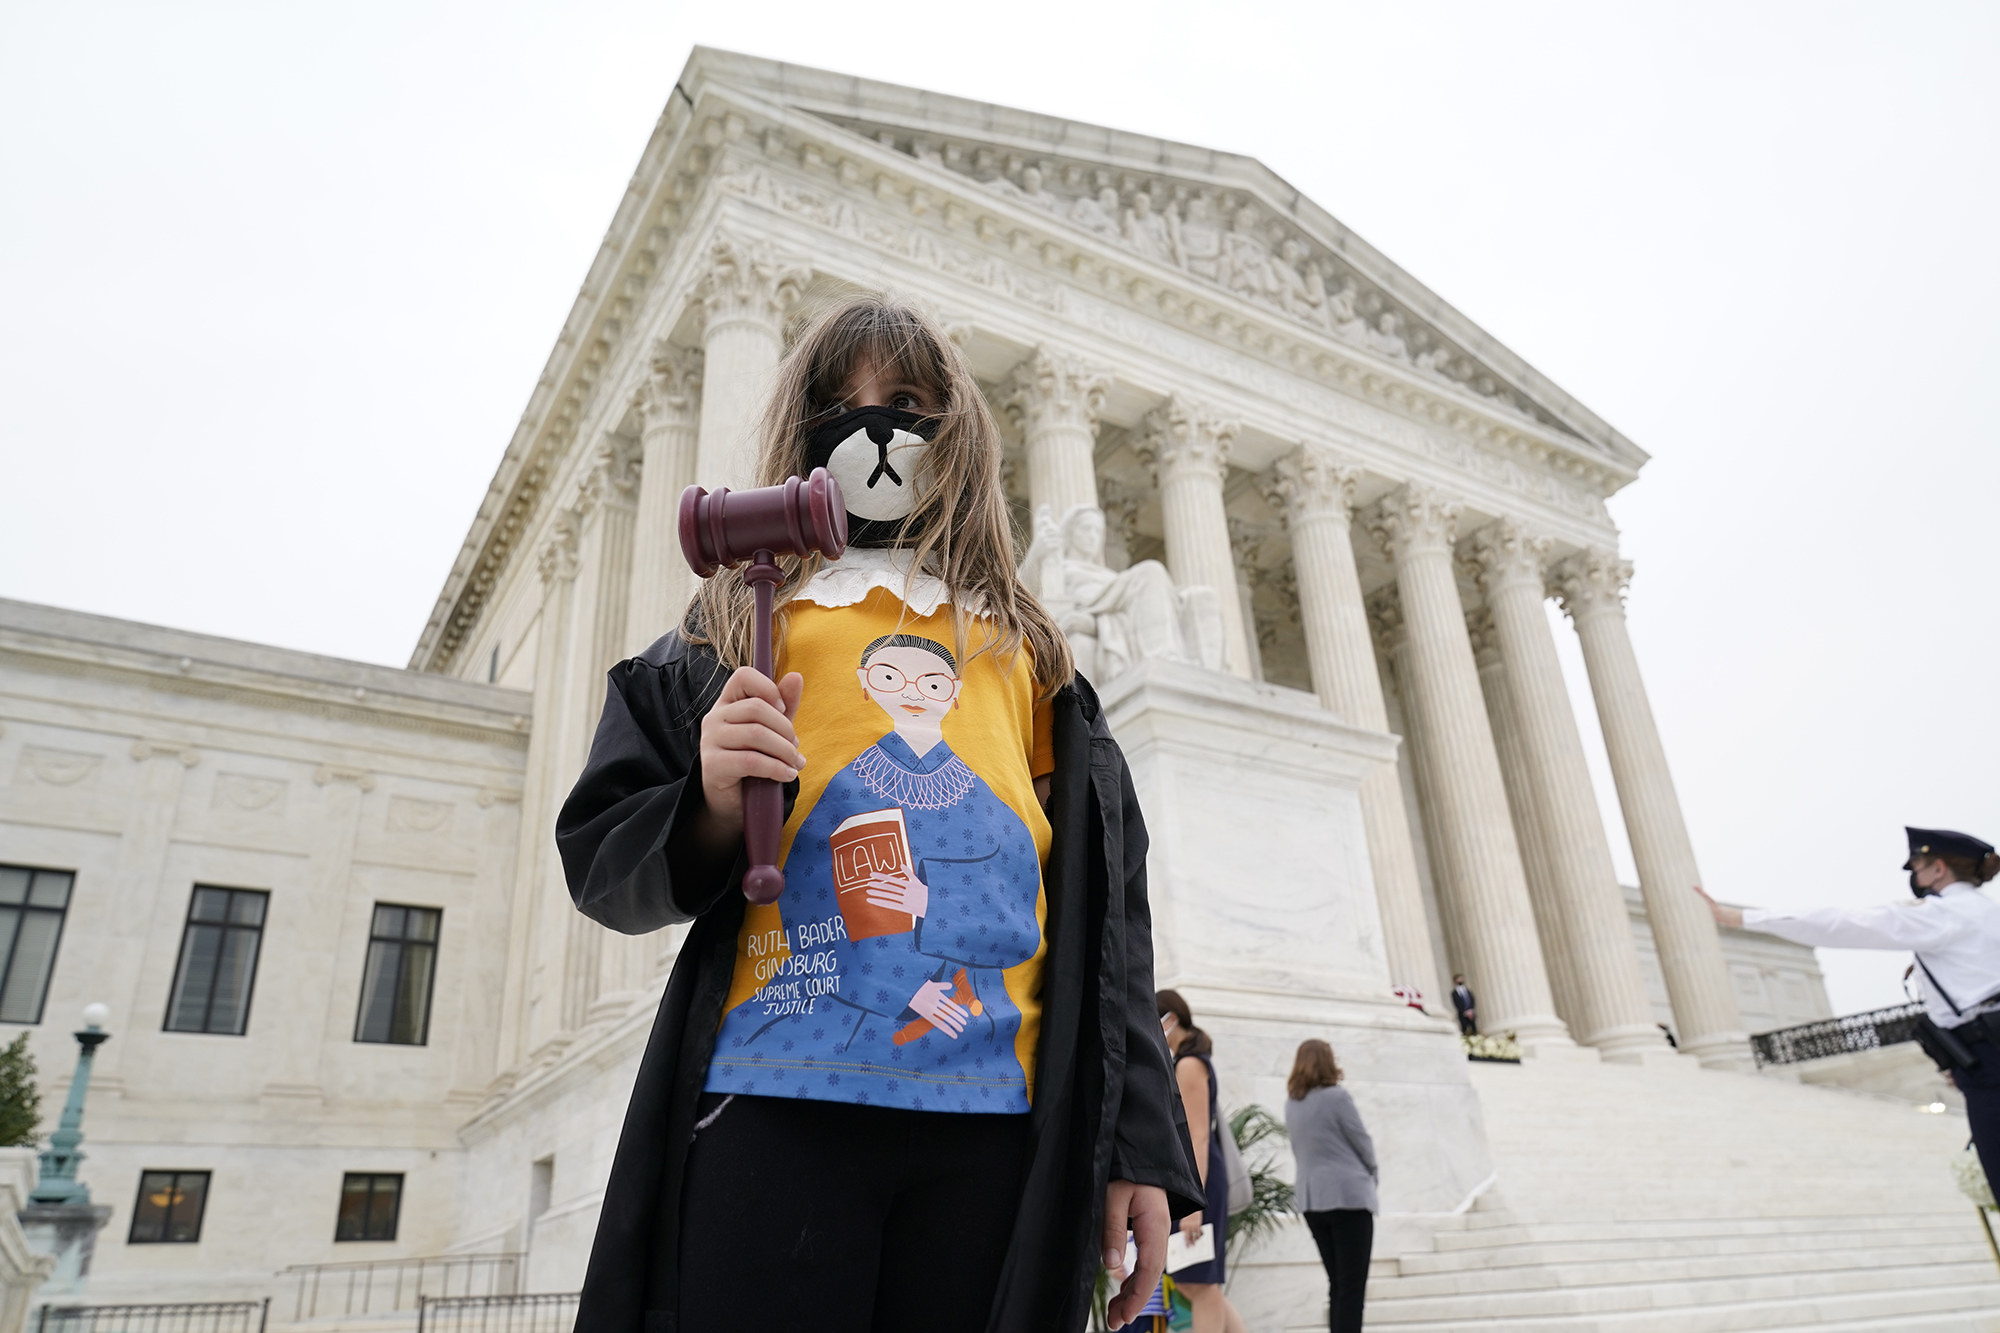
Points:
x=901 y=966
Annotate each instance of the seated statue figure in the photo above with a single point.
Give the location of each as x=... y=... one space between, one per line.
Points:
x=1116 y=618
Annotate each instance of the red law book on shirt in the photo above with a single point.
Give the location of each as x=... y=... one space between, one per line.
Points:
x=864 y=845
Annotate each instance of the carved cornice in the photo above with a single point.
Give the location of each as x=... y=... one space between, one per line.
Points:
x=1591 y=583
x=1180 y=439
x=360 y=777
x=145 y=748
x=751 y=282
x=1053 y=389
x=1311 y=482
x=1503 y=554
x=1414 y=520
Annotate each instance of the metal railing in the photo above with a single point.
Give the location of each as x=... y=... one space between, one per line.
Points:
x=181 y=1317
x=1837 y=1036
x=384 y=1285
x=540 y=1312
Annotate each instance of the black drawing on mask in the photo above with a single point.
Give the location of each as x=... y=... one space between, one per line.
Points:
x=874 y=453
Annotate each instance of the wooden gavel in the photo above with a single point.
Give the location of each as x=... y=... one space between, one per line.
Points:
x=721 y=530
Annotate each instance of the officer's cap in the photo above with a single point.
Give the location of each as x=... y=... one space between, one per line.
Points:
x=1944 y=842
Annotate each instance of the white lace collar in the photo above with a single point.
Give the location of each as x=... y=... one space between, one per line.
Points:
x=864 y=568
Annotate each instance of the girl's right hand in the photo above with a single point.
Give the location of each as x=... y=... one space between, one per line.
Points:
x=748 y=734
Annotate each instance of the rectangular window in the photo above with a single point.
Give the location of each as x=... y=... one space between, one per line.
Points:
x=369 y=1202
x=32 y=906
x=218 y=962
x=169 y=1208
x=396 y=982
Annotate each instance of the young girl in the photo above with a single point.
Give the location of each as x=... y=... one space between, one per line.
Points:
x=925 y=1089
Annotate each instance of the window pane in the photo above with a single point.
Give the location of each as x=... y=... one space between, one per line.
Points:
x=246 y=909
x=423 y=924
x=10 y=921
x=388 y=921
x=149 y=1214
x=378 y=992
x=233 y=973
x=28 y=974
x=199 y=950
x=382 y=1207
x=51 y=888
x=14 y=884
x=190 y=1197
x=353 y=1222
x=210 y=905
x=413 y=1002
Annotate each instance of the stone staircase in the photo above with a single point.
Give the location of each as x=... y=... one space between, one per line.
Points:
x=1669 y=1199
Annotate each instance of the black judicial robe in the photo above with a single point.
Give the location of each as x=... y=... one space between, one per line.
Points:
x=1105 y=1107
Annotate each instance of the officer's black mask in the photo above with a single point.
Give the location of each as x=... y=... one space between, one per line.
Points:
x=877 y=455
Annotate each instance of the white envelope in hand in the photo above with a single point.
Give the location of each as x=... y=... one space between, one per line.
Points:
x=1181 y=1253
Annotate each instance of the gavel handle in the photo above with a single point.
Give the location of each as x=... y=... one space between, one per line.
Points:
x=763 y=799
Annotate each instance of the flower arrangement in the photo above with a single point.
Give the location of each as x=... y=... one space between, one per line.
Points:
x=1503 y=1050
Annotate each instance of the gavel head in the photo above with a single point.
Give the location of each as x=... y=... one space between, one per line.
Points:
x=725 y=527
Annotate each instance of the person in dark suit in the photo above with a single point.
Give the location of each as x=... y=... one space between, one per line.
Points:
x=1461 y=1000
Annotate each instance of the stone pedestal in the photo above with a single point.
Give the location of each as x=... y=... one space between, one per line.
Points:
x=67 y=1234
x=1265 y=918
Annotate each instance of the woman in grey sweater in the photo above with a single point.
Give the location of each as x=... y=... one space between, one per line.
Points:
x=1336 y=1178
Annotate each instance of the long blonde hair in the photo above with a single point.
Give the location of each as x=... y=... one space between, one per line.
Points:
x=960 y=530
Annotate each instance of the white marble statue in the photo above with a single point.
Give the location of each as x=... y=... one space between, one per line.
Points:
x=1115 y=618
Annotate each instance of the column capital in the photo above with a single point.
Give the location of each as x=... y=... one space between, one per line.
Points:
x=558 y=557
x=1485 y=637
x=1592 y=583
x=1385 y=617
x=1414 y=520
x=1052 y=387
x=1503 y=554
x=670 y=394
x=613 y=478
x=751 y=282
x=1311 y=482
x=1178 y=438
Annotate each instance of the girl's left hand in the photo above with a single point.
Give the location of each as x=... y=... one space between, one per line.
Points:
x=1191 y=1228
x=899 y=891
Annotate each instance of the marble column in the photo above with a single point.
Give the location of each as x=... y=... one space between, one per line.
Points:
x=669 y=411
x=1244 y=540
x=744 y=299
x=1315 y=493
x=1189 y=453
x=1599 y=962
x=1591 y=585
x=1053 y=399
x=1481 y=859
x=1524 y=804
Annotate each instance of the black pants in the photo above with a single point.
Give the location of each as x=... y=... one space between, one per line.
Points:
x=821 y=1217
x=1344 y=1236
x=1981 y=1087
x=1466 y=1027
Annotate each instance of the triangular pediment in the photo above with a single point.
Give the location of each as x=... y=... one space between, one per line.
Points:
x=1221 y=219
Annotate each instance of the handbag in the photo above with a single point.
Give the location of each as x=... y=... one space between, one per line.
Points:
x=1241 y=1192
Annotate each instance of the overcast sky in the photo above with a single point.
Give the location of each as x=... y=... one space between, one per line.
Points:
x=276 y=280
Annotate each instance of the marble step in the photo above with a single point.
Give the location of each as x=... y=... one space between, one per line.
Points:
x=1611 y=1247
x=1680 y=1227
x=1898 y=1260
x=1639 y=1298
x=1962 y=1306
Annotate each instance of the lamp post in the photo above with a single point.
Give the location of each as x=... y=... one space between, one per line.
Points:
x=58 y=1182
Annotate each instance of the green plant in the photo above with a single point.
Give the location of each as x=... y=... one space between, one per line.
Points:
x=20 y=1102
x=1270 y=1198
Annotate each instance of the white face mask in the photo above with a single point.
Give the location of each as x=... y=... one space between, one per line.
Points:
x=877 y=454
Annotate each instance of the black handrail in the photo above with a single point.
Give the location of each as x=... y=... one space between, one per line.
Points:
x=535 y=1312
x=379 y=1286
x=175 y=1317
x=1837 y=1036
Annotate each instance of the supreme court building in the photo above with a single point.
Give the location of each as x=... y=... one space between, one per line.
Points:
x=1370 y=778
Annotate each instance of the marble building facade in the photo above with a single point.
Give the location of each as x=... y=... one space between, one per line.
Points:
x=1372 y=498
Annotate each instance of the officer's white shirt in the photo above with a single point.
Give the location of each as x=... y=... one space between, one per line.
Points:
x=1956 y=932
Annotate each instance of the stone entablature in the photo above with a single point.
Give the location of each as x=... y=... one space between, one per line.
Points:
x=729 y=148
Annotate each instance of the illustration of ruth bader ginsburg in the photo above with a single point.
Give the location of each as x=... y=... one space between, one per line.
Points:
x=909 y=889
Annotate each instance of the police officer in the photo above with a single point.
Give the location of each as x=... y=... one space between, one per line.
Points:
x=1954 y=929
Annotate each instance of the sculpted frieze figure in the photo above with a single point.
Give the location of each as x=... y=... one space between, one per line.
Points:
x=1097 y=214
x=1030 y=191
x=1197 y=233
x=1115 y=619
x=1250 y=268
x=1387 y=336
x=1148 y=231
